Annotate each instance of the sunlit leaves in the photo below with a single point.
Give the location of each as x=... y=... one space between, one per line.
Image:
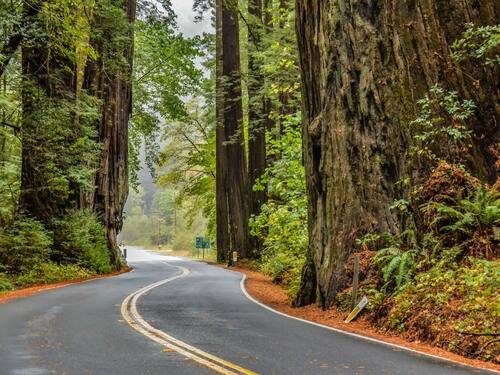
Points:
x=165 y=75
x=478 y=43
x=442 y=125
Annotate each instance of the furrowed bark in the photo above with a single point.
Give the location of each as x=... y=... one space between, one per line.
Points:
x=114 y=88
x=364 y=66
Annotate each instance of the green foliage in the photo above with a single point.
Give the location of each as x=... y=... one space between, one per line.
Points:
x=5 y=283
x=24 y=244
x=441 y=129
x=482 y=210
x=478 y=43
x=80 y=239
x=66 y=157
x=190 y=157
x=10 y=175
x=165 y=73
x=47 y=273
x=278 y=58
x=282 y=223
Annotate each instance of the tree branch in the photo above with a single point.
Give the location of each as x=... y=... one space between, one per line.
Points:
x=12 y=126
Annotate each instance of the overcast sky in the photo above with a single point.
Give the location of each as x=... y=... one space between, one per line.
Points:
x=185 y=19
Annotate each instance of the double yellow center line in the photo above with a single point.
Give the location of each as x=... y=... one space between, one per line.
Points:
x=135 y=320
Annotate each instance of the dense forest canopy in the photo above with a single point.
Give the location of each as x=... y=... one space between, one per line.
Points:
x=302 y=135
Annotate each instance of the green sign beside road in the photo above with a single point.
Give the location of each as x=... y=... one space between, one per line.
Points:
x=199 y=242
x=202 y=243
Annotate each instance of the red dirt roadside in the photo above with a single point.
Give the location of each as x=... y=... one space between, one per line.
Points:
x=26 y=292
x=264 y=290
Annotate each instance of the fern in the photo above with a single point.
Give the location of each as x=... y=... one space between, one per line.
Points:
x=397 y=267
x=468 y=215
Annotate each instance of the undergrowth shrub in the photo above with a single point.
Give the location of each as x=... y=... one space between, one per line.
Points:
x=81 y=239
x=5 y=283
x=282 y=223
x=453 y=305
x=46 y=273
x=24 y=244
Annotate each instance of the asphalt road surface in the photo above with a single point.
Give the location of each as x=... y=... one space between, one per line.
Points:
x=196 y=321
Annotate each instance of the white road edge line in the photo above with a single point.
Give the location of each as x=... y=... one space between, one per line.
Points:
x=366 y=338
x=135 y=320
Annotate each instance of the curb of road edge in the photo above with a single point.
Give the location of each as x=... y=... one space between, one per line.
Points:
x=5 y=298
x=362 y=337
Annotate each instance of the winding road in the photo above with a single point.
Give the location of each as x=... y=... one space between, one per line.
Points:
x=175 y=316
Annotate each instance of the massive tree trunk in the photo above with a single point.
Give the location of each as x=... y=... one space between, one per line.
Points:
x=257 y=158
x=112 y=84
x=49 y=84
x=364 y=65
x=233 y=126
x=221 y=184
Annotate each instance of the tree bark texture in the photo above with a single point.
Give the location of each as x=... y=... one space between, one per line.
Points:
x=221 y=184
x=114 y=88
x=257 y=157
x=364 y=65
x=233 y=127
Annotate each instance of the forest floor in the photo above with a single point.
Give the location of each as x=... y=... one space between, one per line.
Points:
x=275 y=296
x=28 y=291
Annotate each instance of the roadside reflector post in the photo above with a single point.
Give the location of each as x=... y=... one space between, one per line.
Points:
x=235 y=257
x=355 y=282
x=354 y=313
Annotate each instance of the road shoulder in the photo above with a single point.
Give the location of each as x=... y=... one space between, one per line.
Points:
x=263 y=290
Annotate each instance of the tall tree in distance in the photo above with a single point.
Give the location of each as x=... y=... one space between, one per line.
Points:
x=286 y=108
x=222 y=213
x=257 y=157
x=267 y=19
x=364 y=65
x=235 y=158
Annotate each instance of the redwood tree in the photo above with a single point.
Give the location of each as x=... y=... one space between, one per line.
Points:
x=257 y=159
x=235 y=158
x=221 y=184
x=364 y=66
x=109 y=78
